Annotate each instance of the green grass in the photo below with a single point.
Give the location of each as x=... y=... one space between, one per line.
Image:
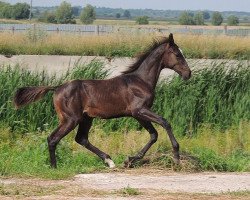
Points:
x=27 y=155
x=129 y=191
x=217 y=96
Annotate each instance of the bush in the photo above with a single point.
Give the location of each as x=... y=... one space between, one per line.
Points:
x=142 y=20
x=199 y=19
x=217 y=19
x=186 y=19
x=17 y=11
x=88 y=15
x=232 y=20
x=48 y=17
x=64 y=14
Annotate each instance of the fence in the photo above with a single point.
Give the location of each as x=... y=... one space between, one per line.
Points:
x=84 y=29
x=104 y=29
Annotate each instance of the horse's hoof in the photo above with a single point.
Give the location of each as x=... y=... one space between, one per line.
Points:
x=110 y=163
x=176 y=161
x=129 y=162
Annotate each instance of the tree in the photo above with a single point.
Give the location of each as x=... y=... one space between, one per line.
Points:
x=118 y=15
x=88 y=14
x=206 y=15
x=199 y=19
x=64 y=14
x=217 y=18
x=186 y=19
x=126 y=14
x=6 y=10
x=48 y=17
x=142 y=20
x=21 y=11
x=232 y=20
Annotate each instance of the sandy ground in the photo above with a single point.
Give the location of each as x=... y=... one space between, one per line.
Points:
x=131 y=184
x=60 y=64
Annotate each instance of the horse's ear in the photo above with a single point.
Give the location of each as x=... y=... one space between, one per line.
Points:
x=171 y=39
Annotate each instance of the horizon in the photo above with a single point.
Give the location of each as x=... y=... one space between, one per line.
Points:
x=212 y=5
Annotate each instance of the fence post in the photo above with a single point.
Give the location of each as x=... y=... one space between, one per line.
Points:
x=13 y=30
x=225 y=29
x=97 y=29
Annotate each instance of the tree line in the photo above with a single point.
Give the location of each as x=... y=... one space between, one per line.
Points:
x=66 y=14
x=17 y=11
x=188 y=18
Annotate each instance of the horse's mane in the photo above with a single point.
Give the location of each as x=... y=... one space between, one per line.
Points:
x=156 y=43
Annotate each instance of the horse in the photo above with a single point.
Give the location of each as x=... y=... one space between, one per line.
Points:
x=130 y=94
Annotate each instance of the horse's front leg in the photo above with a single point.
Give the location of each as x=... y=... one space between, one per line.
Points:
x=147 y=115
x=153 y=138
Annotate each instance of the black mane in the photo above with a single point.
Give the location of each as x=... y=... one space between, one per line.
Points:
x=156 y=43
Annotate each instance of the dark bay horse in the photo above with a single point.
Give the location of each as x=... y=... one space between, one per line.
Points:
x=131 y=94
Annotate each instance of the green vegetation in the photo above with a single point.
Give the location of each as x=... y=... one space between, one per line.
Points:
x=88 y=15
x=142 y=20
x=232 y=20
x=64 y=14
x=127 y=14
x=17 y=11
x=27 y=154
x=218 y=96
x=199 y=18
x=129 y=191
x=217 y=19
x=186 y=18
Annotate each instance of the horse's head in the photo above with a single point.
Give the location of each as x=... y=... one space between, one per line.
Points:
x=174 y=59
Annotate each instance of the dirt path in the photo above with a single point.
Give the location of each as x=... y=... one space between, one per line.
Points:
x=132 y=184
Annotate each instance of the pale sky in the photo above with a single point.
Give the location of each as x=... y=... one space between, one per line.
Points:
x=214 y=5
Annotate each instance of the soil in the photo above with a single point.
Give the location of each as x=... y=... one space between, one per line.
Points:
x=131 y=184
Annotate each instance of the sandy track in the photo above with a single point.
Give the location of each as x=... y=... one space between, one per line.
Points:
x=155 y=184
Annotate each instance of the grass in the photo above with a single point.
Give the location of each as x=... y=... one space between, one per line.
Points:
x=119 y=45
x=27 y=155
x=216 y=96
x=129 y=191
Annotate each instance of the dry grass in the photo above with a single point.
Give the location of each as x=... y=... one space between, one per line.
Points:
x=122 y=44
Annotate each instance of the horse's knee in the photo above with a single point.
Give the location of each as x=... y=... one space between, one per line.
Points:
x=154 y=137
x=166 y=125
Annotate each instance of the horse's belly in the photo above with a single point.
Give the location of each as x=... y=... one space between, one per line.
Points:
x=107 y=110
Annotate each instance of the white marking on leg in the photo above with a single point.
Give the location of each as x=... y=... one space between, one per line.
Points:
x=110 y=163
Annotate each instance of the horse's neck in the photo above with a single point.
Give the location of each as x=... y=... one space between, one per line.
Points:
x=150 y=69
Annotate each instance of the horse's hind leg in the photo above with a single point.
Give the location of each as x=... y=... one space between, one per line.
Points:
x=153 y=138
x=82 y=139
x=62 y=130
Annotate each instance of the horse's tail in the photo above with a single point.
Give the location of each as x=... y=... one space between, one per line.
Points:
x=27 y=95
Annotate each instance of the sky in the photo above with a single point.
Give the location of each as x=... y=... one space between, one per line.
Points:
x=214 y=5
